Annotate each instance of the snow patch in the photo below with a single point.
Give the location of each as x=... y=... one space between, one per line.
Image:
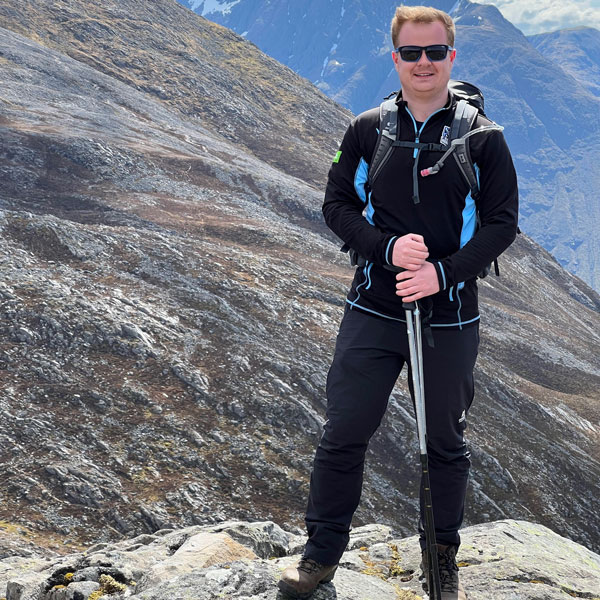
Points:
x=327 y=59
x=324 y=65
x=454 y=8
x=213 y=6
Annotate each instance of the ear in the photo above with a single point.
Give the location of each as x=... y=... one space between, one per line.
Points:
x=452 y=56
x=395 y=57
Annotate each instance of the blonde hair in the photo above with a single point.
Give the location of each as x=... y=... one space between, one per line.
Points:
x=422 y=14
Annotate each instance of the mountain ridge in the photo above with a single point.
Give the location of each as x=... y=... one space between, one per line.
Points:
x=581 y=61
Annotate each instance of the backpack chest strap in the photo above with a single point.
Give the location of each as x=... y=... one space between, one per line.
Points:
x=421 y=146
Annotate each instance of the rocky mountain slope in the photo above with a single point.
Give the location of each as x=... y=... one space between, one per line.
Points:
x=194 y=68
x=546 y=101
x=502 y=560
x=169 y=302
x=582 y=60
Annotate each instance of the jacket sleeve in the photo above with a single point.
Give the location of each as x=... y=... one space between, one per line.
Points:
x=347 y=207
x=498 y=207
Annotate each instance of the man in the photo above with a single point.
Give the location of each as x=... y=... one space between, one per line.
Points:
x=426 y=226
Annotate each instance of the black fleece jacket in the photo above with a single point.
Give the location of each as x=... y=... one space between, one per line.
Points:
x=370 y=220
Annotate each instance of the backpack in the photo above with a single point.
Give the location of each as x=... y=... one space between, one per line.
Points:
x=469 y=105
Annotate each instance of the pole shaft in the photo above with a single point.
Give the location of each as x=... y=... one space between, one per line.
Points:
x=433 y=571
x=415 y=345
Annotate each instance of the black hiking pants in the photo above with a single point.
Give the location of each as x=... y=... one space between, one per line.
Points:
x=369 y=355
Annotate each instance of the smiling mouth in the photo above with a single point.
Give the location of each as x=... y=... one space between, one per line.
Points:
x=423 y=74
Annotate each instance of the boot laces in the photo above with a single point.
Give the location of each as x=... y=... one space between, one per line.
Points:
x=447 y=568
x=448 y=571
x=308 y=565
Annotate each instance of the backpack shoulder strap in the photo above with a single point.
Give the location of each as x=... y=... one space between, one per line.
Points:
x=464 y=117
x=388 y=133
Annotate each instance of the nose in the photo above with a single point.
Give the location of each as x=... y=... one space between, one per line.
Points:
x=423 y=59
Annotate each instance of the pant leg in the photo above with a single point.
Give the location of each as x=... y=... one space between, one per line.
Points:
x=365 y=367
x=449 y=389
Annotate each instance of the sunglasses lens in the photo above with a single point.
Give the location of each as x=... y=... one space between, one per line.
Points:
x=436 y=53
x=410 y=53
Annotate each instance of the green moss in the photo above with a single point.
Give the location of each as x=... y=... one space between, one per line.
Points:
x=108 y=585
x=12 y=528
x=395 y=569
x=407 y=595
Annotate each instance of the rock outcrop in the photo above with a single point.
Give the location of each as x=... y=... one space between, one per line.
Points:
x=504 y=560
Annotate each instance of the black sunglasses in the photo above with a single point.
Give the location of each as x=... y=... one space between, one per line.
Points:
x=434 y=53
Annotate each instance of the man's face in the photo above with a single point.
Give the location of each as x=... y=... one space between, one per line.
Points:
x=423 y=79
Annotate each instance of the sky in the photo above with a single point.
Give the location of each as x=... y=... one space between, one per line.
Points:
x=548 y=15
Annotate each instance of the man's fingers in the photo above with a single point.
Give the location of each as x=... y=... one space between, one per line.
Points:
x=413 y=260
x=417 y=252
x=416 y=240
x=416 y=249
x=414 y=285
x=410 y=251
x=410 y=298
x=404 y=290
x=417 y=237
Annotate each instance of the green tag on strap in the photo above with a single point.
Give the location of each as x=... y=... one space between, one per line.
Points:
x=336 y=158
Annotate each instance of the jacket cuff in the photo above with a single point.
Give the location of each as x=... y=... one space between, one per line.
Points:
x=389 y=250
x=441 y=275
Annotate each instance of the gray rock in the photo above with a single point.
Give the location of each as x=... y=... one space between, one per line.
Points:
x=257 y=581
x=266 y=539
x=507 y=560
x=81 y=590
x=203 y=549
x=27 y=586
x=504 y=560
x=369 y=535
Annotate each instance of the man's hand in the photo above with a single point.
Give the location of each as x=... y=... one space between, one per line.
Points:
x=414 y=285
x=409 y=252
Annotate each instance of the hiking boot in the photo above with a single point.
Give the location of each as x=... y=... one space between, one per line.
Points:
x=450 y=583
x=301 y=581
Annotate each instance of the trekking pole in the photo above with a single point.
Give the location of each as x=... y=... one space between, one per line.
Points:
x=415 y=345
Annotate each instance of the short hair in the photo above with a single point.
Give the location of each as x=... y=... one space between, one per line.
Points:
x=422 y=14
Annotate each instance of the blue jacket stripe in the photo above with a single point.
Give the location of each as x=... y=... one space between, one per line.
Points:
x=360 y=178
x=469 y=220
